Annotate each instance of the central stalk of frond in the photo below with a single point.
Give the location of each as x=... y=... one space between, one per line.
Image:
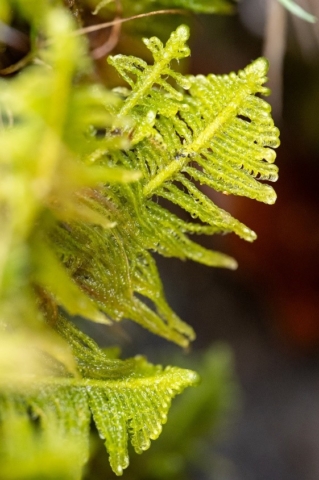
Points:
x=199 y=143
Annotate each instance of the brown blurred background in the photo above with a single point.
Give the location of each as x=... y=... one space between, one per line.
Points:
x=269 y=309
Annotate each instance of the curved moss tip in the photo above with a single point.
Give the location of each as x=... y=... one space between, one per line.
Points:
x=183 y=32
x=231 y=264
x=224 y=261
x=271 y=196
x=259 y=66
x=220 y=260
x=248 y=235
x=193 y=378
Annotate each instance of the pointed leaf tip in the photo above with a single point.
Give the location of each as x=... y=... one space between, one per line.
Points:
x=232 y=264
x=183 y=32
x=259 y=67
x=193 y=378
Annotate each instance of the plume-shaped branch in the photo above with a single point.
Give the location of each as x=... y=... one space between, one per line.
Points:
x=220 y=134
x=128 y=400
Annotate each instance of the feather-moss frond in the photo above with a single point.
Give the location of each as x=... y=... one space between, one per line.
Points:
x=127 y=399
x=89 y=196
x=215 y=131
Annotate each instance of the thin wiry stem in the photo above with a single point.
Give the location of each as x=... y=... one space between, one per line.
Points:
x=95 y=28
x=113 y=38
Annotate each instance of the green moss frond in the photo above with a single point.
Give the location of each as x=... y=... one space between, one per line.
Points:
x=219 y=134
x=127 y=399
x=95 y=196
x=147 y=76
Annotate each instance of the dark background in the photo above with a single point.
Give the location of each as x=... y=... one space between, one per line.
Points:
x=269 y=309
